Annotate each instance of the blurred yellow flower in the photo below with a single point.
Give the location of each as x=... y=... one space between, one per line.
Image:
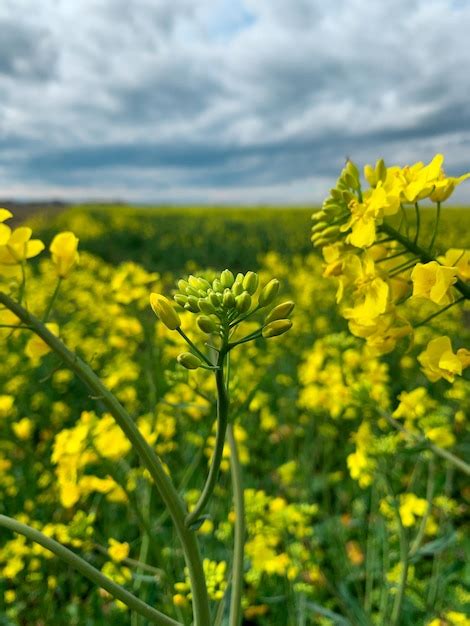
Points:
x=36 y=347
x=439 y=360
x=5 y=231
x=118 y=551
x=20 y=247
x=64 y=252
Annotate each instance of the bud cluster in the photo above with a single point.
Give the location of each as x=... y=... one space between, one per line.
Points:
x=220 y=305
x=335 y=209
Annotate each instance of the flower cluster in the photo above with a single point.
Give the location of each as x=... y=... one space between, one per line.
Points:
x=380 y=267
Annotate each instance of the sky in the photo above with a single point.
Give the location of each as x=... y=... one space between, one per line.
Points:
x=226 y=101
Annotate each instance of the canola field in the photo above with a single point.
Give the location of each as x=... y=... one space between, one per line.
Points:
x=352 y=460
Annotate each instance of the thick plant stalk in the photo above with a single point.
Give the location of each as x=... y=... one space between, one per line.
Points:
x=222 y=417
x=90 y=572
x=239 y=532
x=147 y=455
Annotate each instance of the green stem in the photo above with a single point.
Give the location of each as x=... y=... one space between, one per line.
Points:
x=444 y=454
x=51 y=301
x=87 y=570
x=222 y=419
x=418 y=222
x=431 y=317
x=146 y=453
x=193 y=346
x=424 y=255
x=239 y=543
x=254 y=335
x=436 y=227
x=429 y=496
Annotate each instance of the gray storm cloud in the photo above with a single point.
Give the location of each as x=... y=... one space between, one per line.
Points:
x=258 y=101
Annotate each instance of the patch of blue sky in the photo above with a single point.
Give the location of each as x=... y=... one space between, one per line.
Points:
x=227 y=18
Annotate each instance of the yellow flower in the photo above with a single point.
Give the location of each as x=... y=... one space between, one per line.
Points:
x=458 y=258
x=23 y=428
x=433 y=281
x=439 y=361
x=5 y=231
x=420 y=179
x=20 y=247
x=36 y=347
x=118 y=551
x=371 y=292
x=441 y=436
x=7 y=403
x=444 y=187
x=411 y=507
x=64 y=253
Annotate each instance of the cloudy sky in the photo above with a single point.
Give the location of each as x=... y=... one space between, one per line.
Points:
x=251 y=101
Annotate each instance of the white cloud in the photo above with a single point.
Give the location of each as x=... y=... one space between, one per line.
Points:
x=225 y=99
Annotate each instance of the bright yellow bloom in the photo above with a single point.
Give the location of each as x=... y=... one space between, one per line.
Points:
x=445 y=186
x=5 y=231
x=20 y=247
x=118 y=551
x=420 y=180
x=36 y=347
x=371 y=292
x=23 y=428
x=458 y=258
x=433 y=281
x=439 y=361
x=64 y=252
x=411 y=507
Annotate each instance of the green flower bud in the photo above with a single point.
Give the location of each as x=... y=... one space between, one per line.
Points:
x=188 y=360
x=269 y=292
x=227 y=278
x=317 y=228
x=217 y=286
x=370 y=175
x=243 y=302
x=183 y=285
x=228 y=299
x=192 y=304
x=281 y=311
x=275 y=328
x=199 y=283
x=206 y=324
x=206 y=306
x=336 y=194
x=237 y=288
x=352 y=170
x=350 y=181
x=215 y=299
x=180 y=299
x=331 y=231
x=164 y=310
x=380 y=170
x=250 y=282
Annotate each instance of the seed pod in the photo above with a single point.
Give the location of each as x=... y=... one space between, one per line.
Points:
x=269 y=292
x=250 y=282
x=228 y=299
x=227 y=278
x=206 y=306
x=281 y=311
x=164 y=310
x=206 y=324
x=188 y=360
x=243 y=302
x=275 y=328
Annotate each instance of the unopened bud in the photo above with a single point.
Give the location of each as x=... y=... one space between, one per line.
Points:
x=192 y=304
x=269 y=292
x=352 y=169
x=217 y=286
x=250 y=282
x=237 y=288
x=183 y=285
x=275 y=328
x=188 y=360
x=228 y=299
x=370 y=176
x=206 y=306
x=280 y=312
x=380 y=170
x=206 y=324
x=317 y=228
x=350 y=180
x=215 y=299
x=227 y=278
x=180 y=299
x=243 y=302
x=164 y=310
